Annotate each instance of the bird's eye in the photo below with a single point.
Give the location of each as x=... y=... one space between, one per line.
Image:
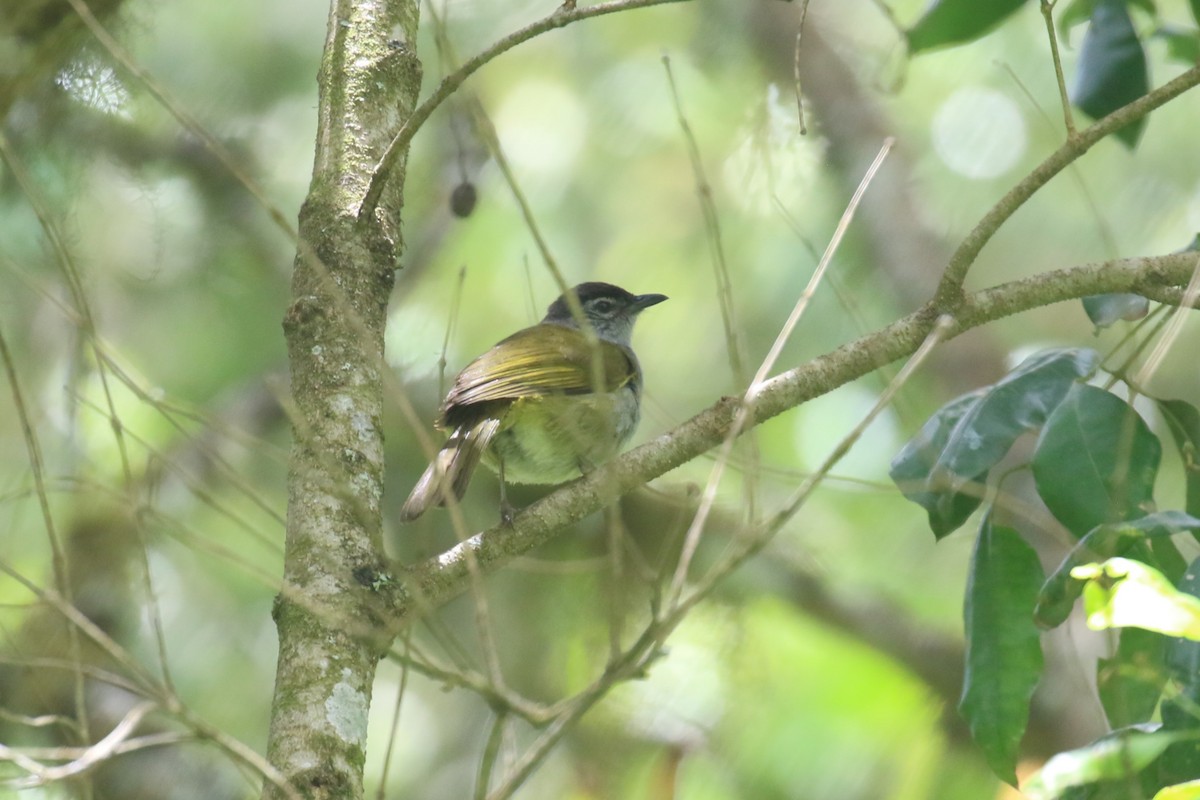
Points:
x=603 y=306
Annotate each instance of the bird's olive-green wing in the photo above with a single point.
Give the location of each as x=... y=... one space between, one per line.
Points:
x=544 y=359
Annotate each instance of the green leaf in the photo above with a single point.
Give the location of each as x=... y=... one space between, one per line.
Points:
x=1095 y=461
x=1078 y=11
x=1105 y=309
x=1181 y=762
x=947 y=22
x=1183 y=655
x=1183 y=44
x=1183 y=420
x=1074 y=13
x=940 y=496
x=1122 y=592
x=1105 y=541
x=1131 y=682
x=1004 y=653
x=943 y=468
x=1195 y=10
x=1113 y=757
x=1112 y=68
x=1180 y=791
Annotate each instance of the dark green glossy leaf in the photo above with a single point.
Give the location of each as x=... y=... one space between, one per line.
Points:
x=1131 y=682
x=1112 y=68
x=1183 y=655
x=1106 y=541
x=1183 y=420
x=1114 y=757
x=1105 y=309
x=1095 y=461
x=1004 y=652
x=947 y=22
x=943 y=468
x=1078 y=11
x=1181 y=762
x=912 y=471
x=1167 y=558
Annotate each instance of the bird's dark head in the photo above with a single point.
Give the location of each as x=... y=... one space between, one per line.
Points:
x=610 y=310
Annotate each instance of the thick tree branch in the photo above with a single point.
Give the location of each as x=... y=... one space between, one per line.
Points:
x=445 y=576
x=343 y=277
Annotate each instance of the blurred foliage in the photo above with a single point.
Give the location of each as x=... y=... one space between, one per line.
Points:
x=828 y=667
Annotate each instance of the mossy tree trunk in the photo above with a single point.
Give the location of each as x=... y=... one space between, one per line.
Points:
x=330 y=629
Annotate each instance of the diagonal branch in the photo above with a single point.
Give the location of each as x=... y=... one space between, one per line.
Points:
x=441 y=578
x=951 y=286
x=560 y=18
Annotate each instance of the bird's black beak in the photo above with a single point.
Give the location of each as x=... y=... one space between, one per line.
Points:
x=644 y=301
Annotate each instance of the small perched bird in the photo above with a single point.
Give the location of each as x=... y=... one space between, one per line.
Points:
x=543 y=405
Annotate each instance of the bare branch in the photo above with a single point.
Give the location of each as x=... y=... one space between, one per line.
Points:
x=438 y=579
x=101 y=751
x=560 y=18
x=950 y=290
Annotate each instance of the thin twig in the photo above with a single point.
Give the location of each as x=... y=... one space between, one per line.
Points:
x=185 y=119
x=796 y=69
x=950 y=288
x=498 y=698
x=712 y=228
x=746 y=410
x=1068 y=117
x=633 y=662
x=71 y=272
x=442 y=577
x=749 y=545
x=558 y=19
x=490 y=751
x=97 y=753
x=394 y=729
x=1103 y=229
x=1178 y=317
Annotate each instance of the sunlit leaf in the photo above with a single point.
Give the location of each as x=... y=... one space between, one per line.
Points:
x=1112 y=68
x=943 y=467
x=1180 y=791
x=1105 y=541
x=1095 y=461
x=1004 y=653
x=1122 y=592
x=947 y=22
x=1113 y=757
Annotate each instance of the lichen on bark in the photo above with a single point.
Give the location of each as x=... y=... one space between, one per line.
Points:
x=329 y=622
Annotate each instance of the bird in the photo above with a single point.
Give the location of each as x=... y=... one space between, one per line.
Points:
x=544 y=405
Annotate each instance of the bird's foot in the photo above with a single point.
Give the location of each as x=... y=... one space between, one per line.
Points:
x=507 y=512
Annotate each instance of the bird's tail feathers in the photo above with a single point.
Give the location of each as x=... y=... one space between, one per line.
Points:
x=451 y=469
